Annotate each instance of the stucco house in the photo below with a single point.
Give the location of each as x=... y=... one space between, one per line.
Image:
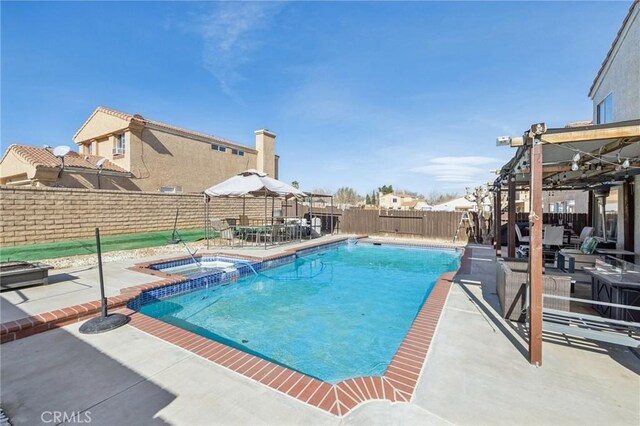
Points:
x=24 y=165
x=394 y=201
x=615 y=93
x=155 y=156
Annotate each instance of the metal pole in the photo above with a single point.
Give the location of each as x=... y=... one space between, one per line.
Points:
x=103 y=299
x=206 y=219
x=311 y=217
x=104 y=322
x=265 y=220
x=331 y=215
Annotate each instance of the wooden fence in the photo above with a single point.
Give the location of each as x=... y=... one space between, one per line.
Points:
x=434 y=225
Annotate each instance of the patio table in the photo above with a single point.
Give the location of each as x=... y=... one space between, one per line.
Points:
x=617 y=286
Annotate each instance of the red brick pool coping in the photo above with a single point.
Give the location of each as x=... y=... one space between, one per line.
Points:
x=397 y=384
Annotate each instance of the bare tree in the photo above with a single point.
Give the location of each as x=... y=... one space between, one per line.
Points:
x=436 y=197
x=346 y=195
x=483 y=199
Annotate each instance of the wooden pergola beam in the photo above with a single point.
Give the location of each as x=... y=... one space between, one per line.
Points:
x=498 y=222
x=511 y=218
x=618 y=132
x=628 y=213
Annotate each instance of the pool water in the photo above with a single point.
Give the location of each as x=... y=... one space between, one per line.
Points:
x=332 y=315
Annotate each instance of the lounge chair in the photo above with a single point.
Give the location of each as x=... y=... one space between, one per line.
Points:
x=569 y=259
x=586 y=232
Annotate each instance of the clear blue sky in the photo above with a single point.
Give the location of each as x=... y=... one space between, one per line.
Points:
x=359 y=94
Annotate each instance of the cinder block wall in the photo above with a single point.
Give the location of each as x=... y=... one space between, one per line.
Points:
x=40 y=215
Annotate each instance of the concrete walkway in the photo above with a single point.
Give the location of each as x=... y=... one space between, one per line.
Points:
x=476 y=373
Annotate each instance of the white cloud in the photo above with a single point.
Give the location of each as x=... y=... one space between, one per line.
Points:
x=229 y=34
x=461 y=171
x=477 y=160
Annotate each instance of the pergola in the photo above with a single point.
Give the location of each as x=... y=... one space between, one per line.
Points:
x=591 y=158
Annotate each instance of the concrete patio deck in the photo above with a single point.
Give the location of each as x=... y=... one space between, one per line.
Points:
x=476 y=372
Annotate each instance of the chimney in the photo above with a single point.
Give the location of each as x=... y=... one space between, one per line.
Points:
x=266 y=147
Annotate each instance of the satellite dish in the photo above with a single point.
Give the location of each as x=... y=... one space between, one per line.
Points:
x=61 y=151
x=100 y=163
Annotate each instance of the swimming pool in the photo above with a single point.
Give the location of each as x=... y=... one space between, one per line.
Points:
x=332 y=315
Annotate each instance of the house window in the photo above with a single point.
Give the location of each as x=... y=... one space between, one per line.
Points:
x=120 y=144
x=171 y=189
x=394 y=200
x=237 y=152
x=88 y=149
x=604 y=111
x=219 y=148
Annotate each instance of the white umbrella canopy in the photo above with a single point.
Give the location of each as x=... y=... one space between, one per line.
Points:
x=253 y=183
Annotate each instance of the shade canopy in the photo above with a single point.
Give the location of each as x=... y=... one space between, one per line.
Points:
x=255 y=184
x=585 y=157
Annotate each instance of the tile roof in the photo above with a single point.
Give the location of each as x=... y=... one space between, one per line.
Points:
x=141 y=119
x=43 y=157
x=634 y=3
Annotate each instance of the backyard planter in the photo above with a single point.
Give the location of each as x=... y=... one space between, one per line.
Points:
x=22 y=274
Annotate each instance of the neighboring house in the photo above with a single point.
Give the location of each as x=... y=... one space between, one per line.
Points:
x=24 y=165
x=391 y=201
x=556 y=201
x=458 y=204
x=395 y=201
x=159 y=156
x=565 y=202
x=615 y=93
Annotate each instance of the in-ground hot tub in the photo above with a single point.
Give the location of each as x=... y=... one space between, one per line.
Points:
x=23 y=274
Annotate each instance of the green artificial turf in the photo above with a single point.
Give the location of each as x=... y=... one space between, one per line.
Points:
x=88 y=246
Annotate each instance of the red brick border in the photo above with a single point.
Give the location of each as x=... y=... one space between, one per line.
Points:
x=397 y=384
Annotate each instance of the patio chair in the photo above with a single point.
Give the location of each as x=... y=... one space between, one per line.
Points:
x=553 y=236
x=568 y=259
x=273 y=234
x=222 y=229
x=586 y=232
x=521 y=239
